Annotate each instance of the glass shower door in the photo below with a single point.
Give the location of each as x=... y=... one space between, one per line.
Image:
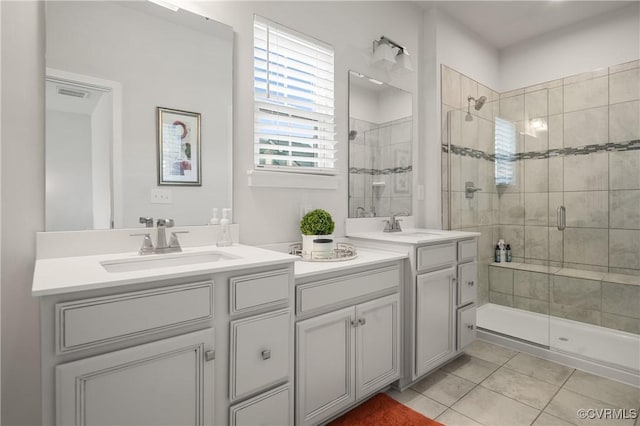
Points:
x=497 y=161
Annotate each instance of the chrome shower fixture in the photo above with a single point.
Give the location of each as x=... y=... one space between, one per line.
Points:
x=477 y=104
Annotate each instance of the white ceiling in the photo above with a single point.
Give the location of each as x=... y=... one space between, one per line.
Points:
x=505 y=23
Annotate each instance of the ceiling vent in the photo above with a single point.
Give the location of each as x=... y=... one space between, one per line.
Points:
x=72 y=92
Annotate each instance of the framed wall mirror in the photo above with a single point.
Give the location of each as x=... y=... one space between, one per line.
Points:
x=110 y=65
x=380 y=148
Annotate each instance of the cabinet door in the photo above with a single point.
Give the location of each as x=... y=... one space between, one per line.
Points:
x=466 y=326
x=467 y=283
x=168 y=382
x=377 y=344
x=435 y=310
x=325 y=367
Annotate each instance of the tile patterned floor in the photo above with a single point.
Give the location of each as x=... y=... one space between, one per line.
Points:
x=494 y=386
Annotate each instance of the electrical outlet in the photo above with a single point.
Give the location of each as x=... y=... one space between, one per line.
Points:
x=161 y=196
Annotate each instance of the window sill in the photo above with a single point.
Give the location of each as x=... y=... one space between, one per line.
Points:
x=269 y=179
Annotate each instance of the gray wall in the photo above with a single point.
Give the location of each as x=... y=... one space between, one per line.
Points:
x=22 y=206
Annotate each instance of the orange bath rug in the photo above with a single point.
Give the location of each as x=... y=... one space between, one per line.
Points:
x=382 y=410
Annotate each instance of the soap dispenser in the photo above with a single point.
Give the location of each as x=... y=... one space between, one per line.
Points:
x=225 y=229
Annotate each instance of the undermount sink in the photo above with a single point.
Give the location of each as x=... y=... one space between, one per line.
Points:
x=416 y=234
x=164 y=261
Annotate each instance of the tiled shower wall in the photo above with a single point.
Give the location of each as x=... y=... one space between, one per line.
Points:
x=380 y=170
x=583 y=153
x=587 y=159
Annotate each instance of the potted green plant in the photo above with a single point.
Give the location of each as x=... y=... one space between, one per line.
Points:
x=317 y=233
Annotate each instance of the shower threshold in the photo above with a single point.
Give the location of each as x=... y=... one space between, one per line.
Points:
x=605 y=345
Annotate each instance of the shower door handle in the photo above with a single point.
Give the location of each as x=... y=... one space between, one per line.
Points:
x=561 y=218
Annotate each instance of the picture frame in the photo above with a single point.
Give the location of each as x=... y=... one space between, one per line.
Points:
x=179 y=155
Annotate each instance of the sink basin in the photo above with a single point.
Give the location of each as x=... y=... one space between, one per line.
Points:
x=416 y=234
x=164 y=261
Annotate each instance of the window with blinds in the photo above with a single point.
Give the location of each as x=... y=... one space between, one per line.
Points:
x=294 y=127
x=505 y=139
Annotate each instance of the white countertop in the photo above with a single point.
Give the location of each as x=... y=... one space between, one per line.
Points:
x=304 y=269
x=414 y=235
x=78 y=273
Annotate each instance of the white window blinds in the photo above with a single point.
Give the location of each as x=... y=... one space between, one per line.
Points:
x=294 y=128
x=505 y=134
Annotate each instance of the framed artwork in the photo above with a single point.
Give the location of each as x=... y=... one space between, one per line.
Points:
x=178 y=147
x=402 y=166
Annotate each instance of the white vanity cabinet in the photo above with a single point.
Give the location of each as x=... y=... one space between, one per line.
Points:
x=439 y=293
x=203 y=350
x=348 y=339
x=445 y=294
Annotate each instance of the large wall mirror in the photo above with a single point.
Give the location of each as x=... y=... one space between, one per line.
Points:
x=110 y=66
x=380 y=148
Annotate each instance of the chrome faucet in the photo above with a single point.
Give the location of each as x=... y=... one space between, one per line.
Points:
x=161 y=242
x=393 y=224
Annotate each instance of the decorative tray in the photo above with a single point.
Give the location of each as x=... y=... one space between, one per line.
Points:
x=343 y=251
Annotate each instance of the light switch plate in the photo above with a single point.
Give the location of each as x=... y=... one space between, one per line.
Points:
x=161 y=196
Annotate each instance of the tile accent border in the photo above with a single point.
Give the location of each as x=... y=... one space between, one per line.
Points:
x=388 y=171
x=540 y=155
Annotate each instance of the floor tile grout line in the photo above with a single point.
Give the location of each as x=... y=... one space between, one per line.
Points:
x=552 y=398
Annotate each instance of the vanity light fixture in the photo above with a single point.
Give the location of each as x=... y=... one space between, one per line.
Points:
x=166 y=4
x=385 y=55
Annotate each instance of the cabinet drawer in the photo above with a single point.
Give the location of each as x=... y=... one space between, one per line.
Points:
x=467 y=250
x=467 y=283
x=93 y=322
x=317 y=295
x=466 y=326
x=271 y=408
x=435 y=256
x=251 y=292
x=260 y=352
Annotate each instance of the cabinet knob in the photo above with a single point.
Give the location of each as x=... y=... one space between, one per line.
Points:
x=354 y=323
x=209 y=355
x=362 y=321
x=471 y=283
x=266 y=354
x=470 y=326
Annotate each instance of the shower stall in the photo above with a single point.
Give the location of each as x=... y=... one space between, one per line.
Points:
x=554 y=171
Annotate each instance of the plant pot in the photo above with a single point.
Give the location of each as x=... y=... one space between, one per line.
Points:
x=320 y=245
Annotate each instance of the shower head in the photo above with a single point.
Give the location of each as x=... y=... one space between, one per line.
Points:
x=353 y=134
x=477 y=103
x=480 y=102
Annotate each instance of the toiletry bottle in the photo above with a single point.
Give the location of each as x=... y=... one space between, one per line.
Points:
x=225 y=229
x=214 y=217
x=508 y=253
x=497 y=254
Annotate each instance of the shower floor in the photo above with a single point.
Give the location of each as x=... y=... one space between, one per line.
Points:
x=612 y=347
